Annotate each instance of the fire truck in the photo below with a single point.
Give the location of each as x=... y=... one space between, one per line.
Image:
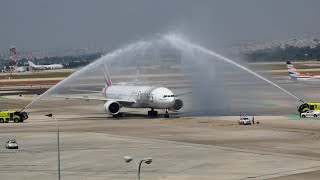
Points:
x=12 y=115
x=309 y=106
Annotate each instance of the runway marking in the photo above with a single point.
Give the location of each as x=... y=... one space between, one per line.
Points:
x=4 y=92
x=165 y=135
x=1 y=97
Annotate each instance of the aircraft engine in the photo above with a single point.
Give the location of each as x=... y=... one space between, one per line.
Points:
x=112 y=107
x=178 y=104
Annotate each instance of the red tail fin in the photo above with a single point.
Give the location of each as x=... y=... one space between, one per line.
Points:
x=107 y=78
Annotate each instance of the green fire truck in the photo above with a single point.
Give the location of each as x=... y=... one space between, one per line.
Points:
x=11 y=115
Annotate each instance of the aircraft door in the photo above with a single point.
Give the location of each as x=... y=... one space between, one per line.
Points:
x=139 y=95
x=151 y=98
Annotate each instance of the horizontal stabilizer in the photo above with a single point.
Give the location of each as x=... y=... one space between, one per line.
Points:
x=84 y=90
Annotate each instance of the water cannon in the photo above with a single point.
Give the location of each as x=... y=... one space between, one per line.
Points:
x=23 y=109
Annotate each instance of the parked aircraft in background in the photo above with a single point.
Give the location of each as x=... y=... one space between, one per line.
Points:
x=301 y=77
x=44 y=67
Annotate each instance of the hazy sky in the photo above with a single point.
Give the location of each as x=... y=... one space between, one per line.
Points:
x=43 y=24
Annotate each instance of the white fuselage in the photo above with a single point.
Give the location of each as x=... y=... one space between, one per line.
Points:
x=46 y=67
x=307 y=79
x=141 y=96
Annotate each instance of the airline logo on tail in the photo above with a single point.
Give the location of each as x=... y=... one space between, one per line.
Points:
x=292 y=71
x=107 y=78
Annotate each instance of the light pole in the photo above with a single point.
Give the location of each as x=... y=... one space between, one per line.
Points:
x=58 y=143
x=147 y=160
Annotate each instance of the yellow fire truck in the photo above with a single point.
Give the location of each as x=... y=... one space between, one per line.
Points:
x=11 y=115
x=309 y=106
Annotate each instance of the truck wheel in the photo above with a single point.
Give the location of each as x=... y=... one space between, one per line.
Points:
x=1 y=120
x=315 y=115
x=16 y=120
x=303 y=116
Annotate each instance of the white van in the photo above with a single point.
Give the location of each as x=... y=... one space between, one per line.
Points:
x=244 y=120
x=311 y=113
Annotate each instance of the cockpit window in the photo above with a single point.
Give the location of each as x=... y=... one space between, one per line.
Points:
x=172 y=95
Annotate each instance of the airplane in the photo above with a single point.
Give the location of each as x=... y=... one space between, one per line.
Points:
x=44 y=67
x=134 y=96
x=301 y=77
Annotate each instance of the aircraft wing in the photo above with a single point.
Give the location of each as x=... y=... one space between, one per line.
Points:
x=125 y=102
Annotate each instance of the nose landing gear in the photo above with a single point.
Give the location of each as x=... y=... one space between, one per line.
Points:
x=167 y=114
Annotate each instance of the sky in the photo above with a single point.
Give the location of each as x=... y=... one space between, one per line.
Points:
x=63 y=24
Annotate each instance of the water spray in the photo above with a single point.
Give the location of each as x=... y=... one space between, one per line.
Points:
x=23 y=108
x=94 y=65
x=182 y=43
x=174 y=40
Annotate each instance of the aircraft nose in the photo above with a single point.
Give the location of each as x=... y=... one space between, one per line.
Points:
x=167 y=102
x=171 y=100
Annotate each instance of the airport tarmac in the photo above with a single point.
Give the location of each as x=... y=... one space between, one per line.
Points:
x=182 y=147
x=188 y=145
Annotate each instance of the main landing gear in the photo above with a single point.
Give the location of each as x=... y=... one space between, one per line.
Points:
x=152 y=113
x=119 y=115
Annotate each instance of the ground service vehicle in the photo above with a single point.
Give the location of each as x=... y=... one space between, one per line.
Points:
x=12 y=144
x=309 y=106
x=244 y=120
x=310 y=113
x=11 y=115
